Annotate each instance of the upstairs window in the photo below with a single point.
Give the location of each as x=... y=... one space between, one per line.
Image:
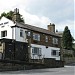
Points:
x=46 y=38
x=36 y=37
x=1 y=24
x=55 y=40
x=36 y=51
x=29 y=34
x=6 y=22
x=3 y=33
x=21 y=33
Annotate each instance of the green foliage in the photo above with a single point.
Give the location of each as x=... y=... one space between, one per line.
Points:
x=7 y=15
x=21 y=19
x=3 y=14
x=10 y=15
x=73 y=48
x=67 y=39
x=67 y=55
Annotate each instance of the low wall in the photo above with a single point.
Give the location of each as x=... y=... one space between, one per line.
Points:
x=48 y=63
x=68 y=56
x=52 y=63
x=69 y=60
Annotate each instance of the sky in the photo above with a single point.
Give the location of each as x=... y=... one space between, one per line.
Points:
x=41 y=13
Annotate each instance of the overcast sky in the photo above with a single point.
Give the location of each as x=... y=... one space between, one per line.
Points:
x=42 y=12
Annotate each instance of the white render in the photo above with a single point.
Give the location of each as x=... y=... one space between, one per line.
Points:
x=7 y=27
x=16 y=35
x=12 y=33
x=46 y=52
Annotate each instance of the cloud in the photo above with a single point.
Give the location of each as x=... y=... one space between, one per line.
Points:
x=43 y=21
x=70 y=24
x=35 y=20
x=49 y=8
x=7 y=5
x=41 y=12
x=56 y=10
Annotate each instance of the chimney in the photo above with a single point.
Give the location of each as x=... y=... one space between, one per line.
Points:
x=51 y=28
x=16 y=15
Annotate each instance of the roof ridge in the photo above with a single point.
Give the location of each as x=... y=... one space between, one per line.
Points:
x=38 y=29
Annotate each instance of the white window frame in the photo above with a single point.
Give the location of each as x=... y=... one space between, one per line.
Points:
x=4 y=35
x=57 y=53
x=38 y=52
x=29 y=33
x=36 y=35
x=55 y=40
x=46 y=39
x=21 y=33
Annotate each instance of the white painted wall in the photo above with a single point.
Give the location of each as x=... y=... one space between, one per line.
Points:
x=46 y=52
x=12 y=33
x=6 y=27
x=17 y=34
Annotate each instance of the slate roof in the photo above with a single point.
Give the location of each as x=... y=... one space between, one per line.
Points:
x=34 y=28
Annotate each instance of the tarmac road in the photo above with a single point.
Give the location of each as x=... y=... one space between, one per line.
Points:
x=67 y=70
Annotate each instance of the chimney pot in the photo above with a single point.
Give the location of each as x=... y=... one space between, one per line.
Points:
x=16 y=16
x=51 y=28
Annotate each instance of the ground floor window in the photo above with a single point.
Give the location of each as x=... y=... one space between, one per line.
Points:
x=36 y=50
x=55 y=52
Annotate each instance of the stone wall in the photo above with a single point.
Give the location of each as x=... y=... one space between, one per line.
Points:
x=48 y=63
x=69 y=60
x=68 y=56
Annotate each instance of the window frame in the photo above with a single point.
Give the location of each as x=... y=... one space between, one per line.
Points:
x=4 y=33
x=21 y=33
x=36 y=35
x=55 y=54
x=46 y=38
x=55 y=40
x=37 y=52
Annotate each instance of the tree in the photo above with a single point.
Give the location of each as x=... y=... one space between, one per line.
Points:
x=10 y=15
x=3 y=14
x=67 y=39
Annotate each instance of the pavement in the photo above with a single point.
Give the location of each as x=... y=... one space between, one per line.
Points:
x=67 y=70
x=71 y=64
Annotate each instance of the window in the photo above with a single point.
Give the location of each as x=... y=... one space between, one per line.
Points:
x=6 y=23
x=21 y=33
x=1 y=24
x=3 y=33
x=46 y=38
x=29 y=34
x=55 y=40
x=36 y=37
x=36 y=51
x=55 y=53
x=0 y=44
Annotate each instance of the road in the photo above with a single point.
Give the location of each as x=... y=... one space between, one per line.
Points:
x=67 y=70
